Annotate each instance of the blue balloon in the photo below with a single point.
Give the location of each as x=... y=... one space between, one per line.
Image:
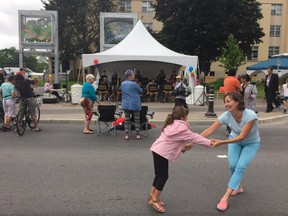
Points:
x=190 y=68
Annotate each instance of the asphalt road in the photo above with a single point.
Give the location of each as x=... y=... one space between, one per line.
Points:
x=60 y=171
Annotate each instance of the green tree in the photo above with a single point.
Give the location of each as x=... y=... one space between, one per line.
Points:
x=232 y=55
x=201 y=27
x=10 y=58
x=79 y=25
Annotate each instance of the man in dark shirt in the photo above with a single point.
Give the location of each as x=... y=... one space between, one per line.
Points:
x=271 y=89
x=23 y=86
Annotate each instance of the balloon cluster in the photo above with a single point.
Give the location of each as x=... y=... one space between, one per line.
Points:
x=192 y=71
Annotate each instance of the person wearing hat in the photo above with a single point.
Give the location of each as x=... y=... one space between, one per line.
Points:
x=180 y=100
x=131 y=102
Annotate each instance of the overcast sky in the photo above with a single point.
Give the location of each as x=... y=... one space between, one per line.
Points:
x=9 y=20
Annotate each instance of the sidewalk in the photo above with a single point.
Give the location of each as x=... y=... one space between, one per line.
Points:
x=66 y=113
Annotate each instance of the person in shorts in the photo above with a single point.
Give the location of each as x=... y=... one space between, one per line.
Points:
x=8 y=93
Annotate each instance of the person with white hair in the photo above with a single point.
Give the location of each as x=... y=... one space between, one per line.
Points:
x=87 y=100
x=131 y=102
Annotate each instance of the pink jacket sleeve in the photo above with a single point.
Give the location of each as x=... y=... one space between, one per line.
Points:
x=195 y=138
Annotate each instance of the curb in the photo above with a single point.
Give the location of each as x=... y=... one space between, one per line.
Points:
x=273 y=119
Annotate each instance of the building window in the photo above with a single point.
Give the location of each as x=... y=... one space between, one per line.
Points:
x=275 y=30
x=125 y=6
x=254 y=54
x=276 y=9
x=147 y=6
x=273 y=50
x=148 y=26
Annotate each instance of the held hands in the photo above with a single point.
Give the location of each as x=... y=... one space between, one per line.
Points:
x=212 y=142
x=215 y=143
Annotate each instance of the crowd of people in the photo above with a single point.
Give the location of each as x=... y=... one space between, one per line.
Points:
x=154 y=89
x=21 y=86
x=249 y=90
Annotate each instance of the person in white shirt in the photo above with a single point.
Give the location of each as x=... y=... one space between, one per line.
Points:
x=285 y=94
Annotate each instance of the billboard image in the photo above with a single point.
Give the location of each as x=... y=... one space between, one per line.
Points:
x=36 y=29
x=116 y=29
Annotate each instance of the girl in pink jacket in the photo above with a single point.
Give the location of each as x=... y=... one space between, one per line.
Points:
x=175 y=134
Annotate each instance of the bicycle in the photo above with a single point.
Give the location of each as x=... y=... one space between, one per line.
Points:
x=66 y=97
x=24 y=118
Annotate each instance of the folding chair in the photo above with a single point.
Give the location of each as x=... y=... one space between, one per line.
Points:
x=144 y=126
x=103 y=90
x=152 y=91
x=107 y=115
x=167 y=92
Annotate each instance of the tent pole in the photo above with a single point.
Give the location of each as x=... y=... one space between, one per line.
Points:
x=83 y=71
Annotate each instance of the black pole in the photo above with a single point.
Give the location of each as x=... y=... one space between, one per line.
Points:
x=210 y=111
x=66 y=81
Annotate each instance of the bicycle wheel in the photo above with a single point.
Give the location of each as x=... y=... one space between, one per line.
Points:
x=21 y=123
x=66 y=97
x=29 y=118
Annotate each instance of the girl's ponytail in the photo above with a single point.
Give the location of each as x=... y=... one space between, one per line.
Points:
x=178 y=113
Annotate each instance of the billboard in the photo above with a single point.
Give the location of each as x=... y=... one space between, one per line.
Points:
x=36 y=29
x=114 y=27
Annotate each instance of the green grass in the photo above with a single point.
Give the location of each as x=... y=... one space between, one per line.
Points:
x=260 y=89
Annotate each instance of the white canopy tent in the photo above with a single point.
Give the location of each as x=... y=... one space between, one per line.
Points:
x=139 y=45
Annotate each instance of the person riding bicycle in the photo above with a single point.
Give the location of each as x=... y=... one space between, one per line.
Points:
x=23 y=86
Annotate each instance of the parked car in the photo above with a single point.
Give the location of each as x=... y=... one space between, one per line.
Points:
x=33 y=74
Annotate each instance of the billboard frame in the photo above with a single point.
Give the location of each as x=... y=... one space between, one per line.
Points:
x=50 y=48
x=131 y=17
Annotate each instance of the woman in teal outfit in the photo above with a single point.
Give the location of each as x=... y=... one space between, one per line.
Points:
x=243 y=142
x=87 y=100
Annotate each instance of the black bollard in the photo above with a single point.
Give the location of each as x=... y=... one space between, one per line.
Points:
x=210 y=111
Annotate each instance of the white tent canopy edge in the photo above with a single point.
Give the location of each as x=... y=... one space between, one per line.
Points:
x=139 y=45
